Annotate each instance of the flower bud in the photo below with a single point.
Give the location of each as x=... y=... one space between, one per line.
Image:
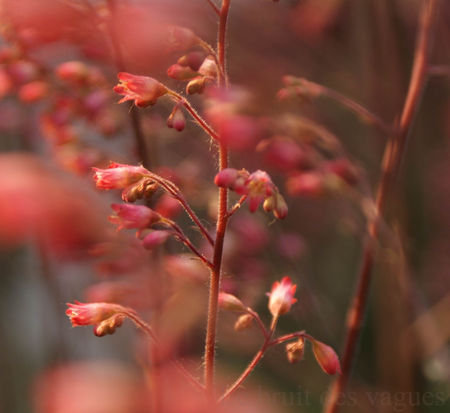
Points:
x=83 y=314
x=109 y=326
x=308 y=184
x=197 y=85
x=33 y=91
x=226 y=177
x=192 y=60
x=277 y=205
x=208 y=68
x=295 y=351
x=179 y=72
x=326 y=357
x=73 y=71
x=243 y=322
x=181 y=38
x=176 y=119
x=155 y=239
x=230 y=303
x=133 y=216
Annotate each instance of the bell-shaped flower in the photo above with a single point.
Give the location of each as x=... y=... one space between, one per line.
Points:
x=133 y=216
x=281 y=297
x=118 y=176
x=144 y=90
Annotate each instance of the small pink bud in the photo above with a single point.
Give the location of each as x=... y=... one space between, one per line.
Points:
x=179 y=72
x=133 y=216
x=307 y=184
x=230 y=303
x=143 y=90
x=295 y=351
x=176 y=119
x=344 y=170
x=181 y=38
x=277 y=205
x=326 y=357
x=243 y=322
x=192 y=60
x=281 y=297
x=226 y=177
x=118 y=176
x=33 y=91
x=155 y=239
x=73 y=71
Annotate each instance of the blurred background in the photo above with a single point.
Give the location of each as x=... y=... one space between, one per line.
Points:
x=58 y=120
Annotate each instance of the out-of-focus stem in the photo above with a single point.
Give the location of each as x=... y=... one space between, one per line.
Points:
x=150 y=333
x=120 y=63
x=251 y=366
x=215 y=8
x=392 y=158
x=222 y=219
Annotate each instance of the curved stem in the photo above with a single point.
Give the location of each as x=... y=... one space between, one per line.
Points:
x=352 y=105
x=392 y=158
x=251 y=366
x=186 y=241
x=151 y=334
x=195 y=115
x=261 y=325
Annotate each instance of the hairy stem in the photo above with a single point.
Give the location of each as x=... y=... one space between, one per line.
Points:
x=392 y=158
x=222 y=219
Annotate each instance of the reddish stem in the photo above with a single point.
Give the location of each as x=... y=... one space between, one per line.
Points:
x=251 y=366
x=392 y=158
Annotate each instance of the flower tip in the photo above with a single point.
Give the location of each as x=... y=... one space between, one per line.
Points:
x=326 y=357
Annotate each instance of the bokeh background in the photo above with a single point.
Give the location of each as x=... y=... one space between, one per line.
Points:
x=52 y=219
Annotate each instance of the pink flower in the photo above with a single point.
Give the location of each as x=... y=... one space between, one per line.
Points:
x=281 y=297
x=84 y=314
x=118 y=176
x=133 y=216
x=326 y=357
x=259 y=186
x=142 y=89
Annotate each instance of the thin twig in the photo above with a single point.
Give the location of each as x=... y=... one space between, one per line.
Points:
x=256 y=316
x=237 y=205
x=215 y=8
x=151 y=334
x=185 y=240
x=361 y=111
x=393 y=155
x=251 y=366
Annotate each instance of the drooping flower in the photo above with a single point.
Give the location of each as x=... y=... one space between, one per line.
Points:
x=133 y=216
x=281 y=297
x=84 y=314
x=326 y=357
x=144 y=90
x=118 y=176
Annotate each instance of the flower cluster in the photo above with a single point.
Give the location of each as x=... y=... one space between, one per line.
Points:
x=257 y=187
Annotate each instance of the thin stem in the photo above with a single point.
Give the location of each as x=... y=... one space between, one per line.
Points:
x=151 y=334
x=439 y=70
x=172 y=189
x=393 y=155
x=251 y=366
x=222 y=219
x=237 y=205
x=215 y=8
x=350 y=104
x=256 y=316
x=135 y=118
x=195 y=115
x=186 y=241
x=288 y=337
